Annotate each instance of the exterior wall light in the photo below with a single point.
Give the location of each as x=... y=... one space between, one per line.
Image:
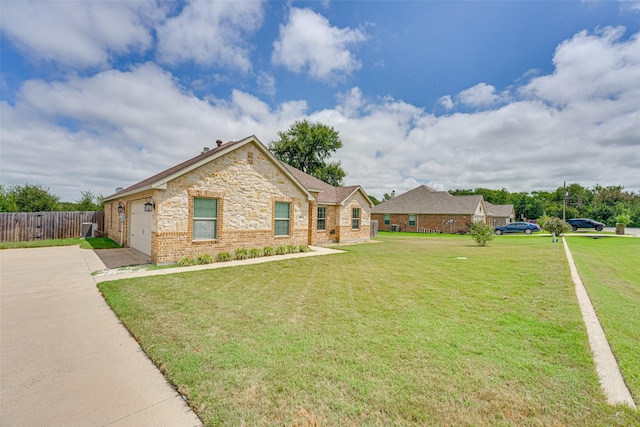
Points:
x=148 y=207
x=120 y=208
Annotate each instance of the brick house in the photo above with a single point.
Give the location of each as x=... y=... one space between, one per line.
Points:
x=424 y=209
x=237 y=195
x=500 y=214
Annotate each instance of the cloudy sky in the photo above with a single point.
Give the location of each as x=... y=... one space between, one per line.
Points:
x=521 y=95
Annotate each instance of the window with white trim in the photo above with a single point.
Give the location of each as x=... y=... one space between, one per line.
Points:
x=412 y=220
x=387 y=219
x=355 y=219
x=282 y=219
x=205 y=219
x=322 y=218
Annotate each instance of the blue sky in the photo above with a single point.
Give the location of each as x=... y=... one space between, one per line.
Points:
x=521 y=95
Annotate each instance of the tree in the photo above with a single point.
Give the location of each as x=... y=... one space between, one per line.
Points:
x=308 y=146
x=481 y=233
x=556 y=227
x=33 y=198
x=7 y=200
x=89 y=202
x=374 y=200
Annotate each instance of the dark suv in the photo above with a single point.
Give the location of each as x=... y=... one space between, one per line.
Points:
x=576 y=223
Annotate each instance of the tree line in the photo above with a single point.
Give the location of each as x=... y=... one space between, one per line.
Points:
x=599 y=203
x=35 y=198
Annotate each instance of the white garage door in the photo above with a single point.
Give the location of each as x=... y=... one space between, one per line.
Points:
x=140 y=228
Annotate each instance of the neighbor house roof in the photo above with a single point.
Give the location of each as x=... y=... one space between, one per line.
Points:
x=505 y=211
x=161 y=179
x=426 y=200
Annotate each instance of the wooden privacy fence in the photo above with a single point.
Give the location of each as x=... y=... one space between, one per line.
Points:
x=28 y=226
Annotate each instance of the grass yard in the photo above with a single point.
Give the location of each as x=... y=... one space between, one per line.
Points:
x=610 y=271
x=416 y=330
x=90 y=243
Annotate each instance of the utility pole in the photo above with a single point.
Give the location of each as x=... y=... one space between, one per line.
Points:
x=564 y=201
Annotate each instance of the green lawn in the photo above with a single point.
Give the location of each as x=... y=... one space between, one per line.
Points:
x=416 y=330
x=90 y=243
x=610 y=271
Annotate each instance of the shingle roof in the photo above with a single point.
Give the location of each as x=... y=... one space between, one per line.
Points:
x=499 y=210
x=172 y=170
x=426 y=200
x=327 y=193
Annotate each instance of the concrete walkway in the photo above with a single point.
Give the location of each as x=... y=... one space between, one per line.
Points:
x=606 y=366
x=65 y=359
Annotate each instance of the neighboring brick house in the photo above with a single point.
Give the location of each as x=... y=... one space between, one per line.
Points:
x=424 y=209
x=500 y=214
x=237 y=195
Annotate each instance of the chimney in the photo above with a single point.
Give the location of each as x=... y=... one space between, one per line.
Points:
x=219 y=142
x=393 y=194
x=205 y=150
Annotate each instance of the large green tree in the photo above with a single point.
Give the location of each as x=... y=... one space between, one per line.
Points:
x=308 y=147
x=28 y=198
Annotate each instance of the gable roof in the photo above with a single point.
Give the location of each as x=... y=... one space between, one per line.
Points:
x=426 y=200
x=327 y=193
x=500 y=210
x=161 y=179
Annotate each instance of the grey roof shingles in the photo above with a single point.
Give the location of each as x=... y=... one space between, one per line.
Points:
x=426 y=200
x=505 y=211
x=327 y=193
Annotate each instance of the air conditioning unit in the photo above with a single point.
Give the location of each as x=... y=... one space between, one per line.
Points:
x=395 y=227
x=88 y=229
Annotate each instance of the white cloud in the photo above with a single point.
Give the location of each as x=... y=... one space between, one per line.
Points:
x=116 y=128
x=266 y=83
x=480 y=95
x=79 y=34
x=590 y=67
x=211 y=33
x=308 y=43
x=446 y=102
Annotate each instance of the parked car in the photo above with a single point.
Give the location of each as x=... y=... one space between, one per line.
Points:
x=517 y=227
x=576 y=223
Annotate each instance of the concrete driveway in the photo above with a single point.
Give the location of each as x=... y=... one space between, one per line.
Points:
x=65 y=359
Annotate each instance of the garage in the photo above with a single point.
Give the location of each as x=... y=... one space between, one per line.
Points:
x=140 y=227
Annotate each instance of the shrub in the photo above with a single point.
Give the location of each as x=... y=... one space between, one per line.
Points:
x=556 y=227
x=186 y=262
x=267 y=251
x=204 y=259
x=223 y=257
x=623 y=219
x=241 y=254
x=481 y=233
x=255 y=253
x=304 y=248
x=292 y=249
x=281 y=250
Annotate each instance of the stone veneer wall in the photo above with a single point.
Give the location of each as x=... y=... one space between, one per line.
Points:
x=428 y=221
x=247 y=184
x=345 y=232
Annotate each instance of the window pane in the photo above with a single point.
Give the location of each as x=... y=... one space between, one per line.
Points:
x=322 y=212
x=282 y=210
x=355 y=224
x=204 y=229
x=387 y=218
x=356 y=213
x=282 y=227
x=322 y=224
x=205 y=208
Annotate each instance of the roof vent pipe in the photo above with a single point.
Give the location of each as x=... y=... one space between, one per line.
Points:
x=204 y=150
x=393 y=194
x=219 y=142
